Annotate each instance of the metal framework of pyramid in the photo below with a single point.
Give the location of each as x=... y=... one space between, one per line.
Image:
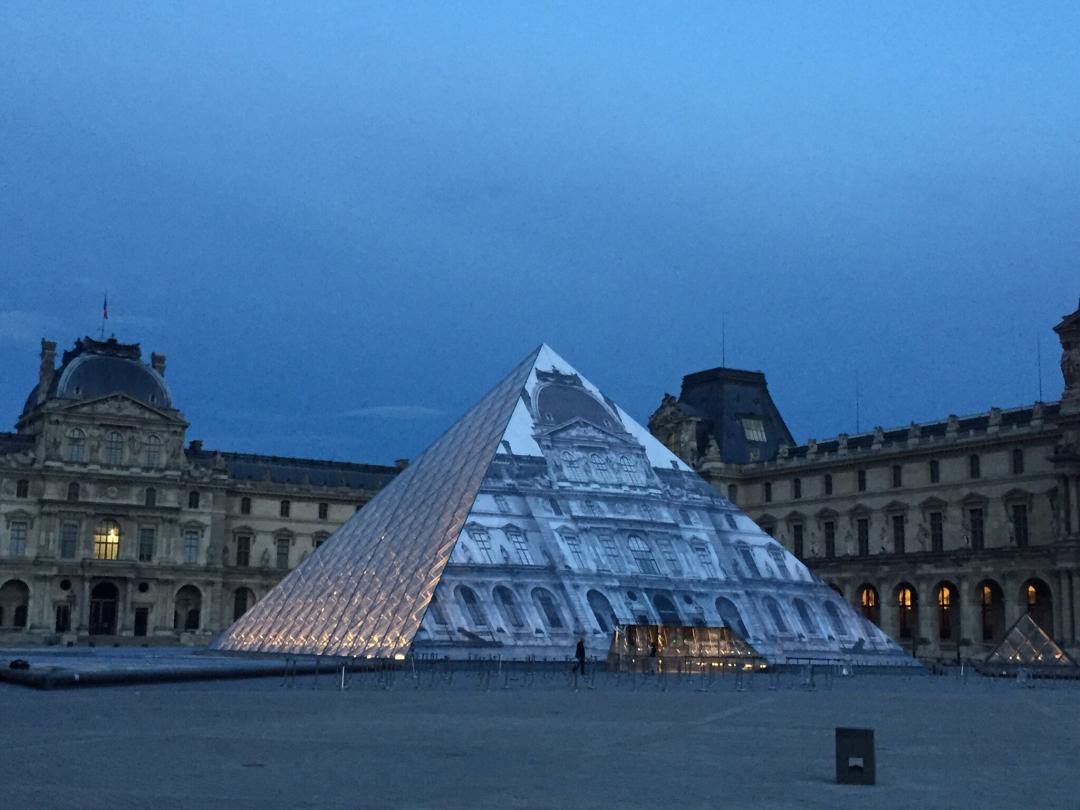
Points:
x=1027 y=644
x=544 y=515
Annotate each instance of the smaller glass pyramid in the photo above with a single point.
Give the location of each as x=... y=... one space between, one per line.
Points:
x=1027 y=644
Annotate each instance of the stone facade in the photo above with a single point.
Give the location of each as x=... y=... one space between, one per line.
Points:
x=111 y=527
x=943 y=532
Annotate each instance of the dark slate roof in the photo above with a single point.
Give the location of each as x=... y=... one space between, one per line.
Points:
x=15 y=443
x=98 y=368
x=298 y=471
x=720 y=397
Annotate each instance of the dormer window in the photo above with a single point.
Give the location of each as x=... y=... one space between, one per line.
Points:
x=753 y=429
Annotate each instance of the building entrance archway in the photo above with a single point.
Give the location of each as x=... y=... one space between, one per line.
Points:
x=1039 y=603
x=104 y=600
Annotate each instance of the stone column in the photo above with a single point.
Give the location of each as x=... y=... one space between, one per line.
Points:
x=82 y=609
x=890 y=622
x=968 y=604
x=123 y=609
x=1074 y=604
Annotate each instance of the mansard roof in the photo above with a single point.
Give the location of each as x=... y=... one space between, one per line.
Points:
x=298 y=471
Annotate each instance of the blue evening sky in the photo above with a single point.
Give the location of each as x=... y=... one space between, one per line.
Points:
x=344 y=222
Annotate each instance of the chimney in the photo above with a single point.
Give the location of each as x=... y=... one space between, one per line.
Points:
x=157 y=362
x=47 y=369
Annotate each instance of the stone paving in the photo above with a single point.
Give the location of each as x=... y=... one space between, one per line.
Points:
x=532 y=740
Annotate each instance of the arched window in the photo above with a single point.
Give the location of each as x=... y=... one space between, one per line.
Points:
x=436 y=611
x=243 y=599
x=808 y=623
x=150 y=496
x=153 y=451
x=669 y=614
x=193 y=500
x=14 y=603
x=114 y=447
x=73 y=491
x=602 y=612
x=948 y=612
x=107 y=540
x=907 y=601
x=1038 y=601
x=545 y=601
x=599 y=466
x=642 y=555
x=571 y=466
x=76 y=445
x=836 y=621
x=471 y=606
x=730 y=616
x=508 y=606
x=776 y=615
x=188 y=608
x=992 y=610
x=868 y=603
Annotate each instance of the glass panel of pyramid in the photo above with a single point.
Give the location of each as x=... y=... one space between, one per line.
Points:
x=546 y=515
x=1027 y=644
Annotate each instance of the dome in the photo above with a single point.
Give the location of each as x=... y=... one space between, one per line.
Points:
x=565 y=399
x=96 y=369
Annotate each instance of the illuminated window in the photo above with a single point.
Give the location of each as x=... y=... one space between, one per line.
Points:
x=191 y=545
x=153 y=452
x=546 y=602
x=945 y=599
x=642 y=555
x=146 y=543
x=69 y=539
x=18 y=538
x=482 y=540
x=114 y=447
x=907 y=603
x=508 y=606
x=76 y=445
x=868 y=601
x=993 y=611
x=22 y=488
x=753 y=429
x=107 y=540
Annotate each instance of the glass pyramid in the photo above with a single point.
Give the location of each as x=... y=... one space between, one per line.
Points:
x=1027 y=644
x=543 y=516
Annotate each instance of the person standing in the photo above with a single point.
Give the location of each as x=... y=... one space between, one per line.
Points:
x=579 y=654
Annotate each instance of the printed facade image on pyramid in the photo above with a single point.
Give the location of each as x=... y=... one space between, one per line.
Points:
x=546 y=514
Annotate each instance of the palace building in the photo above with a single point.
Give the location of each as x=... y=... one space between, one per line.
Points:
x=944 y=533
x=111 y=528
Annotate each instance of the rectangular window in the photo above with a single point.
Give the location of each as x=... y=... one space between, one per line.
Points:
x=748 y=560
x=191 y=546
x=671 y=558
x=572 y=543
x=862 y=480
x=935 y=472
x=611 y=553
x=732 y=493
x=63 y=618
x=753 y=429
x=324 y=511
x=975 y=523
x=146 y=544
x=1018 y=461
x=283 y=544
x=897 y=476
x=796 y=488
x=706 y=560
x=768 y=492
x=18 y=538
x=245 y=506
x=22 y=488
x=797 y=540
x=483 y=543
x=974 y=470
x=1020 y=524
x=642 y=555
x=862 y=526
x=243 y=551
x=777 y=556
x=521 y=547
x=898 y=533
x=285 y=508
x=830 y=539
x=937 y=534
x=69 y=539
x=828 y=484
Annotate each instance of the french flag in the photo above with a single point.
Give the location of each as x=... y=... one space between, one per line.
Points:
x=105 y=309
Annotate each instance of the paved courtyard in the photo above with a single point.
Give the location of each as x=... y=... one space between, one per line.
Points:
x=471 y=743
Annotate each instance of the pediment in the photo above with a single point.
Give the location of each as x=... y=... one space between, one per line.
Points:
x=122 y=405
x=578 y=430
x=933 y=503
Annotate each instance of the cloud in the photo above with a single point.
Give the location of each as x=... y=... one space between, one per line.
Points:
x=392 y=412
